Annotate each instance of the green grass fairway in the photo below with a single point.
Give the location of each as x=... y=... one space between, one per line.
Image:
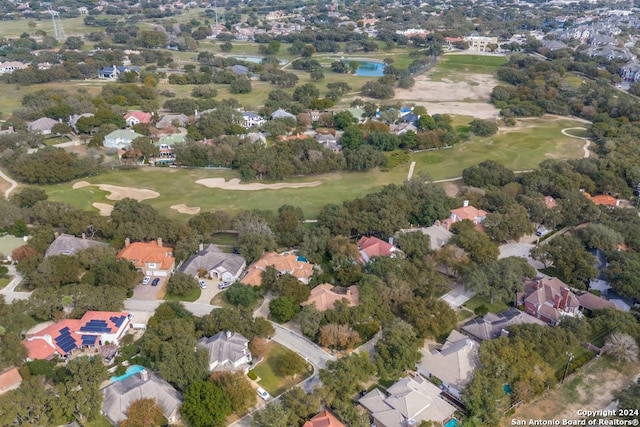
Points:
x=521 y=149
x=270 y=380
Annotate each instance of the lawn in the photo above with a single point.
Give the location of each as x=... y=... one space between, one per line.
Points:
x=270 y=380
x=477 y=301
x=481 y=64
x=99 y=422
x=191 y=297
x=520 y=149
x=464 y=315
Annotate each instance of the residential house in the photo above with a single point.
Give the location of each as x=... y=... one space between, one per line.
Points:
x=210 y=259
x=329 y=141
x=553 y=45
x=492 y=326
x=228 y=351
x=630 y=71
x=603 y=199
x=591 y=302
x=136 y=117
x=402 y=128
x=10 y=380
x=66 y=244
x=326 y=295
x=438 y=235
x=314 y=115
x=548 y=299
x=121 y=138
x=43 y=125
x=172 y=120
x=256 y=138
x=73 y=120
x=94 y=329
x=239 y=70
x=480 y=43
x=119 y=395
x=550 y=202
x=358 y=113
x=453 y=364
x=281 y=114
x=473 y=214
x=112 y=72
x=371 y=247
x=409 y=401
x=284 y=263
x=11 y=66
x=324 y=419
x=250 y=119
x=152 y=258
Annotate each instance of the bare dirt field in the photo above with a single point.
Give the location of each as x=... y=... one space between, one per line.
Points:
x=234 y=184
x=119 y=193
x=104 y=208
x=467 y=97
x=184 y=209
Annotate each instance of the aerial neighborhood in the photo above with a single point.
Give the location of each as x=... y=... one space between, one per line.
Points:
x=319 y=214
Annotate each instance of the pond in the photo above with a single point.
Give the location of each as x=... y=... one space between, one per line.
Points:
x=369 y=68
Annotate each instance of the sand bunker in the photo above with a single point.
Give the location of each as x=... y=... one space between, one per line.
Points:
x=104 y=208
x=184 y=209
x=119 y=193
x=234 y=184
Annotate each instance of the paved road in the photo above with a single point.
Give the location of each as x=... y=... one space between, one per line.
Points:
x=9 y=291
x=296 y=342
x=148 y=306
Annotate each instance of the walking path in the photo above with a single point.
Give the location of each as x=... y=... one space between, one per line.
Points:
x=413 y=165
x=587 y=141
x=12 y=184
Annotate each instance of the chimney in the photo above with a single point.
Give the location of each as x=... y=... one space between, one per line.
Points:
x=391 y=241
x=84 y=236
x=56 y=235
x=538 y=284
x=127 y=242
x=465 y=204
x=565 y=298
x=201 y=247
x=557 y=299
x=229 y=333
x=144 y=375
x=159 y=242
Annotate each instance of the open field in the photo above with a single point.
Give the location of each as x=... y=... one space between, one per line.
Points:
x=466 y=63
x=270 y=380
x=591 y=388
x=520 y=148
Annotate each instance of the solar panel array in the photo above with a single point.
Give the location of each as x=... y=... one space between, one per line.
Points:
x=118 y=320
x=65 y=341
x=96 y=326
x=89 y=339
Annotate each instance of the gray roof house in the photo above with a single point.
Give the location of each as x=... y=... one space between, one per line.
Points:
x=453 y=364
x=66 y=244
x=492 y=326
x=410 y=401
x=281 y=114
x=121 y=138
x=168 y=120
x=42 y=125
x=218 y=264
x=119 y=395
x=438 y=235
x=228 y=351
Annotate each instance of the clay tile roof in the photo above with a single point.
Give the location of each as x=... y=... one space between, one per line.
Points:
x=602 y=199
x=140 y=115
x=140 y=253
x=42 y=345
x=284 y=263
x=324 y=296
x=371 y=247
x=550 y=202
x=324 y=419
x=469 y=212
x=10 y=380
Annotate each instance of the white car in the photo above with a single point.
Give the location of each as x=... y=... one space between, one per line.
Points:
x=203 y=284
x=146 y=280
x=263 y=394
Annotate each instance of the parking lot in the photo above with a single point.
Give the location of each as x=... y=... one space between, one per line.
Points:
x=148 y=292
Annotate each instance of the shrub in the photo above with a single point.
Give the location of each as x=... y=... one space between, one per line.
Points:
x=252 y=376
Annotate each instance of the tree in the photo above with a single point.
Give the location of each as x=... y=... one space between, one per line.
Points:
x=415 y=244
x=290 y=364
x=283 y=309
x=28 y=197
x=599 y=236
x=378 y=90
x=181 y=284
x=511 y=224
x=429 y=318
x=237 y=389
x=144 y=413
x=397 y=349
x=289 y=286
x=344 y=377
x=338 y=336
x=226 y=46
x=240 y=85
x=622 y=347
x=343 y=120
x=273 y=415
x=487 y=174
x=258 y=347
x=573 y=264
x=629 y=398
x=352 y=137
x=483 y=127
x=316 y=75
x=244 y=295
x=620 y=272
x=475 y=243
x=499 y=280
x=309 y=320
x=205 y=405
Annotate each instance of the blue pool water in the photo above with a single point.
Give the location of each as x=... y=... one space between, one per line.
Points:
x=506 y=388
x=451 y=423
x=369 y=68
x=302 y=259
x=133 y=369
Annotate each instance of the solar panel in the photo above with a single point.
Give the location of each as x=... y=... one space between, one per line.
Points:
x=63 y=330
x=89 y=339
x=118 y=321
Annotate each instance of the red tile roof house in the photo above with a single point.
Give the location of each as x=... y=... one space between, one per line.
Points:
x=324 y=419
x=136 y=117
x=96 y=328
x=602 y=199
x=371 y=247
x=9 y=380
x=326 y=295
x=152 y=258
x=475 y=215
x=548 y=299
x=285 y=263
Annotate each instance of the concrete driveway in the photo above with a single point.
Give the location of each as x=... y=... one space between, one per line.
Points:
x=206 y=295
x=148 y=292
x=521 y=250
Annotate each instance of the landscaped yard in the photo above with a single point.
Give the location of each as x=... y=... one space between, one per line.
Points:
x=4 y=281
x=267 y=371
x=99 y=422
x=477 y=301
x=191 y=297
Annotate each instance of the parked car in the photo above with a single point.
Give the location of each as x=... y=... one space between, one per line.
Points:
x=263 y=394
x=155 y=282
x=541 y=231
x=203 y=284
x=146 y=280
x=224 y=285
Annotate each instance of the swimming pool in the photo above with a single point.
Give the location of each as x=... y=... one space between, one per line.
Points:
x=451 y=423
x=369 y=68
x=131 y=370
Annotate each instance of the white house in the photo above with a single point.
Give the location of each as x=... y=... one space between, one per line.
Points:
x=228 y=351
x=121 y=138
x=250 y=119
